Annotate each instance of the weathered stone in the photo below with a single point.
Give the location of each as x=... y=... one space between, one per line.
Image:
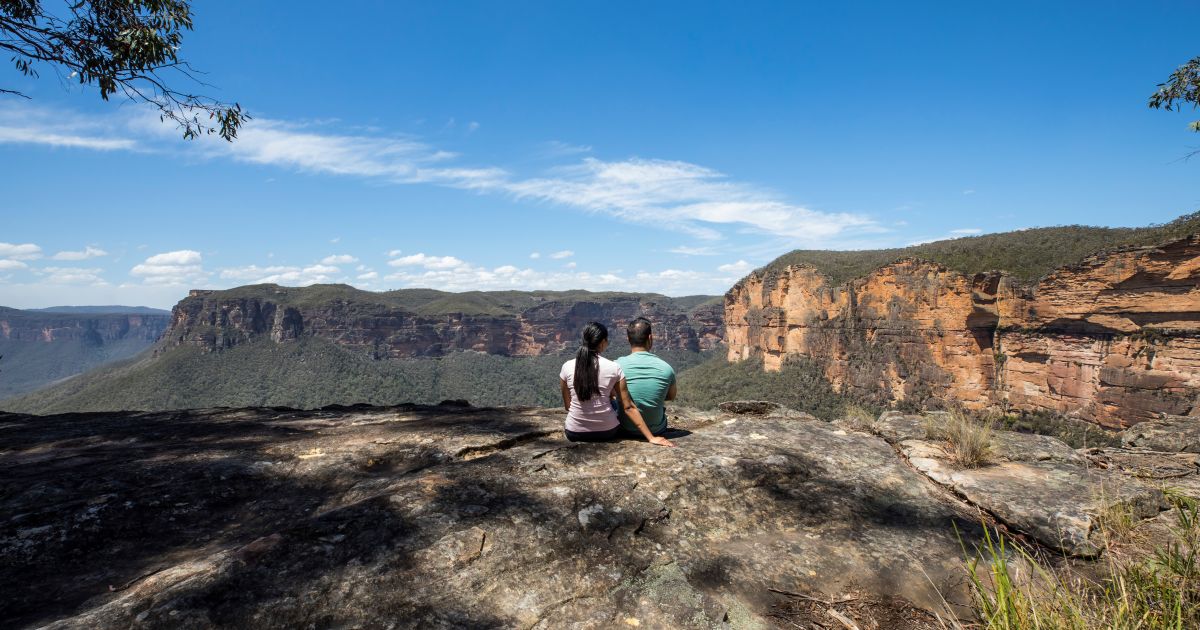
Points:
x=1053 y=498
x=451 y=517
x=1175 y=434
x=1177 y=472
x=896 y=426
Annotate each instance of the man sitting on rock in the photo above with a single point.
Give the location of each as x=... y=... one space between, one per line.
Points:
x=651 y=380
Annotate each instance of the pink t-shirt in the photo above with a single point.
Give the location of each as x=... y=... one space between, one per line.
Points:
x=595 y=413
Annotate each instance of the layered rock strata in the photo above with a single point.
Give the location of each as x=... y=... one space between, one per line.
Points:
x=213 y=320
x=1114 y=339
x=40 y=348
x=92 y=329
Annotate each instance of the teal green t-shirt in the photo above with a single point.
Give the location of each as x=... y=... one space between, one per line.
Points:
x=648 y=378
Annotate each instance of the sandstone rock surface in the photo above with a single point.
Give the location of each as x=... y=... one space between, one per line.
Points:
x=1172 y=434
x=453 y=516
x=1114 y=339
x=1057 y=503
x=396 y=325
x=445 y=517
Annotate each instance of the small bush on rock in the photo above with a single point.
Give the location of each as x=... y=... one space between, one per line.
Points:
x=970 y=439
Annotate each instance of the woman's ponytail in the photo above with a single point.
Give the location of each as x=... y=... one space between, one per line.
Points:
x=587 y=361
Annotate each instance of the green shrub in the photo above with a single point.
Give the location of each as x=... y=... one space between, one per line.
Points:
x=800 y=384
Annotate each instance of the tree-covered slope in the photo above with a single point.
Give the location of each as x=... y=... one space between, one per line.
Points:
x=1026 y=254
x=307 y=373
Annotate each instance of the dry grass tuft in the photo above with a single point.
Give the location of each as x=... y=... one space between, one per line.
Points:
x=858 y=417
x=970 y=439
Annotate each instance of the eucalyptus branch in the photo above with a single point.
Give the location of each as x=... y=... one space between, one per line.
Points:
x=121 y=47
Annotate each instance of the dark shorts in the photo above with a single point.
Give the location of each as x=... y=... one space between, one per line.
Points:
x=594 y=436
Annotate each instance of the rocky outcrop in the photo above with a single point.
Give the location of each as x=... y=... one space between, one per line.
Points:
x=215 y=320
x=1035 y=484
x=1114 y=339
x=1170 y=434
x=453 y=516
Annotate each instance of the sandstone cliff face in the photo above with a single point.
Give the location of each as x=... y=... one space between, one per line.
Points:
x=1114 y=339
x=96 y=329
x=41 y=348
x=212 y=322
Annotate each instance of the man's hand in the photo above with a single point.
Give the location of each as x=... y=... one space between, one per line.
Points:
x=660 y=441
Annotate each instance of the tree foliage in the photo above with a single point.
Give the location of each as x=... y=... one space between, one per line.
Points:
x=123 y=47
x=1026 y=254
x=1180 y=90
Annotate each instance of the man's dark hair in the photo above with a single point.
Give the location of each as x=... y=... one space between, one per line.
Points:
x=639 y=332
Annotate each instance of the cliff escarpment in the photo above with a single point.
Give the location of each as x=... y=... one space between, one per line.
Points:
x=425 y=323
x=41 y=347
x=1113 y=339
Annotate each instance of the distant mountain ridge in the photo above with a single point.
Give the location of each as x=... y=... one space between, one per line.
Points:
x=101 y=310
x=324 y=344
x=424 y=322
x=41 y=347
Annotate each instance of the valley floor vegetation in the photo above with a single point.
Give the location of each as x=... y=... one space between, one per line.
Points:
x=308 y=373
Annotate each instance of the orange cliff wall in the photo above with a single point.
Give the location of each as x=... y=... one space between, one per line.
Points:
x=1114 y=339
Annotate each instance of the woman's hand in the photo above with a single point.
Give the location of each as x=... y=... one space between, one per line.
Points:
x=661 y=441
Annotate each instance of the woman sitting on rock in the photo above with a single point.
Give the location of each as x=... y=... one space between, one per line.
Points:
x=588 y=382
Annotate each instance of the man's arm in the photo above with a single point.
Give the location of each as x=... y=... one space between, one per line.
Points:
x=635 y=416
x=672 y=393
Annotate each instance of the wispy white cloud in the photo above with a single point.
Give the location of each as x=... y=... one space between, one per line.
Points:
x=535 y=255
x=739 y=267
x=969 y=191
x=693 y=251
x=960 y=233
x=558 y=149
x=87 y=252
x=10 y=265
x=71 y=275
x=428 y=262
x=688 y=197
x=338 y=259
x=281 y=274
x=465 y=276
x=23 y=251
x=566 y=253
x=172 y=268
x=22 y=124
x=666 y=194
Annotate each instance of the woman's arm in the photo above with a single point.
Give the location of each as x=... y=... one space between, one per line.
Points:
x=566 y=394
x=632 y=412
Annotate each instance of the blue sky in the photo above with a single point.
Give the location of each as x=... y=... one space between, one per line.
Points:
x=665 y=147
